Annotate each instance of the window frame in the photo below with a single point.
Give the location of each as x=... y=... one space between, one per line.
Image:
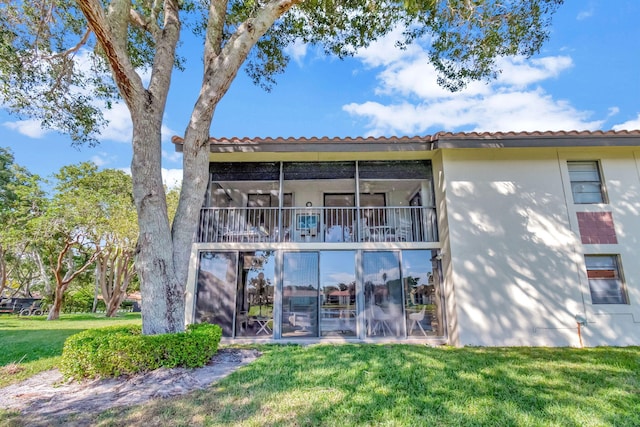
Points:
x=575 y=182
x=602 y=272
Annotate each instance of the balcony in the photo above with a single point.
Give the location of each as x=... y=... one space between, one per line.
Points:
x=330 y=225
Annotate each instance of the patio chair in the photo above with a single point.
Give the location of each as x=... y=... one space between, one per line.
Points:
x=301 y=320
x=364 y=233
x=379 y=321
x=416 y=318
x=334 y=234
x=403 y=231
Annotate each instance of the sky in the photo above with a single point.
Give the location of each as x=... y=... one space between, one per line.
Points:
x=585 y=78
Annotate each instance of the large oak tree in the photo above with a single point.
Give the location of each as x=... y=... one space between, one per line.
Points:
x=41 y=40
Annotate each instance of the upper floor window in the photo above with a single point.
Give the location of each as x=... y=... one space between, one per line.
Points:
x=605 y=281
x=586 y=183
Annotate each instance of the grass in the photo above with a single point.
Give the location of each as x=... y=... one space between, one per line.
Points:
x=33 y=344
x=402 y=385
x=397 y=385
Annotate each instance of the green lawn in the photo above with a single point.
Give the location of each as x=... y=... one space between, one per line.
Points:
x=402 y=385
x=390 y=385
x=36 y=344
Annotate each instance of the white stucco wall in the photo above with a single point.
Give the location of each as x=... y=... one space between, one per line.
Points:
x=515 y=261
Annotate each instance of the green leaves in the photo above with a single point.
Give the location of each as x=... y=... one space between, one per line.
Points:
x=41 y=61
x=118 y=350
x=57 y=74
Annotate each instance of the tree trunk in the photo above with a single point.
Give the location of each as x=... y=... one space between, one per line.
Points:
x=43 y=274
x=96 y=288
x=3 y=272
x=63 y=280
x=114 y=271
x=114 y=304
x=56 y=307
x=162 y=293
x=162 y=255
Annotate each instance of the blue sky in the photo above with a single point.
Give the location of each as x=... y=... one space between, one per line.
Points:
x=585 y=78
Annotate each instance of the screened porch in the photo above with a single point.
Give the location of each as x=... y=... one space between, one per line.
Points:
x=324 y=202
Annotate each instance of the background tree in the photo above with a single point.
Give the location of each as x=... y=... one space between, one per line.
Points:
x=119 y=231
x=69 y=231
x=21 y=200
x=41 y=38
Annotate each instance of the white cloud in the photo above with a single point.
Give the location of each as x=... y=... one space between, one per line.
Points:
x=384 y=51
x=167 y=133
x=514 y=101
x=171 y=156
x=508 y=111
x=587 y=13
x=633 y=124
x=98 y=161
x=520 y=72
x=297 y=51
x=30 y=128
x=172 y=177
x=120 y=128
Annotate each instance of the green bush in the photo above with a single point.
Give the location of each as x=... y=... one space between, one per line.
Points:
x=123 y=350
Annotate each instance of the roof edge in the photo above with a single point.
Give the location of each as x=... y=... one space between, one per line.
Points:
x=448 y=139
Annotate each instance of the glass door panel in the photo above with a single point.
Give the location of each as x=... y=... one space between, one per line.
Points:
x=216 y=289
x=421 y=305
x=337 y=293
x=383 y=294
x=300 y=294
x=254 y=302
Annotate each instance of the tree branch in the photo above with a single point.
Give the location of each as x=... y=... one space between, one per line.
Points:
x=138 y=20
x=165 y=52
x=215 y=29
x=74 y=49
x=124 y=73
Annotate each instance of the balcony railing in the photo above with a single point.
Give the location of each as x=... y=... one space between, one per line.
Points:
x=377 y=224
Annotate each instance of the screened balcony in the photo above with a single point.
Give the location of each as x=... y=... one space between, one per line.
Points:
x=323 y=202
x=329 y=225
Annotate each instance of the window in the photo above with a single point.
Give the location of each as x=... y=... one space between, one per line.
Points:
x=586 y=184
x=605 y=281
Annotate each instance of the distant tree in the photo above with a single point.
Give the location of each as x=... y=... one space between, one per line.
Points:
x=43 y=77
x=68 y=232
x=117 y=233
x=21 y=200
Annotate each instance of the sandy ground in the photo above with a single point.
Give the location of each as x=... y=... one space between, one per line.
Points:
x=45 y=398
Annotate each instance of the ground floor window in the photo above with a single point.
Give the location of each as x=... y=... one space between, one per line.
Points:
x=346 y=293
x=605 y=280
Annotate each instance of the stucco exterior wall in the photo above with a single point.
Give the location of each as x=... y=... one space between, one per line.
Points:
x=514 y=256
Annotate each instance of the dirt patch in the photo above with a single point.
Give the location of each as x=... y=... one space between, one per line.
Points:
x=45 y=398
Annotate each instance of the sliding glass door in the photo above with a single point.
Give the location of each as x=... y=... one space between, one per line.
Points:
x=216 y=289
x=300 y=294
x=383 y=300
x=338 y=293
x=320 y=293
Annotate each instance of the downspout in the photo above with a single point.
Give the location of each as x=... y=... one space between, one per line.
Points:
x=358 y=221
x=280 y=203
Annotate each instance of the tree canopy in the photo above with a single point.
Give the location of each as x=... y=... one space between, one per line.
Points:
x=62 y=61
x=56 y=69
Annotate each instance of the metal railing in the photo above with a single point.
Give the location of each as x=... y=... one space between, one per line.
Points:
x=377 y=224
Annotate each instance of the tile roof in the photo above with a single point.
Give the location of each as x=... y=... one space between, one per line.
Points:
x=307 y=140
x=440 y=140
x=420 y=139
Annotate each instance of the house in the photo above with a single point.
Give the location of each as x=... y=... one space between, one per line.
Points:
x=493 y=239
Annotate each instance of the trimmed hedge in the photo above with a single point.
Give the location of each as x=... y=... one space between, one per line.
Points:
x=123 y=350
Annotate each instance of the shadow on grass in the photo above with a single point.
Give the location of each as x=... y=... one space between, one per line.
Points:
x=353 y=385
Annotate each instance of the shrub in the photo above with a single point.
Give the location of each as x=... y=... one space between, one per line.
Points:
x=123 y=350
